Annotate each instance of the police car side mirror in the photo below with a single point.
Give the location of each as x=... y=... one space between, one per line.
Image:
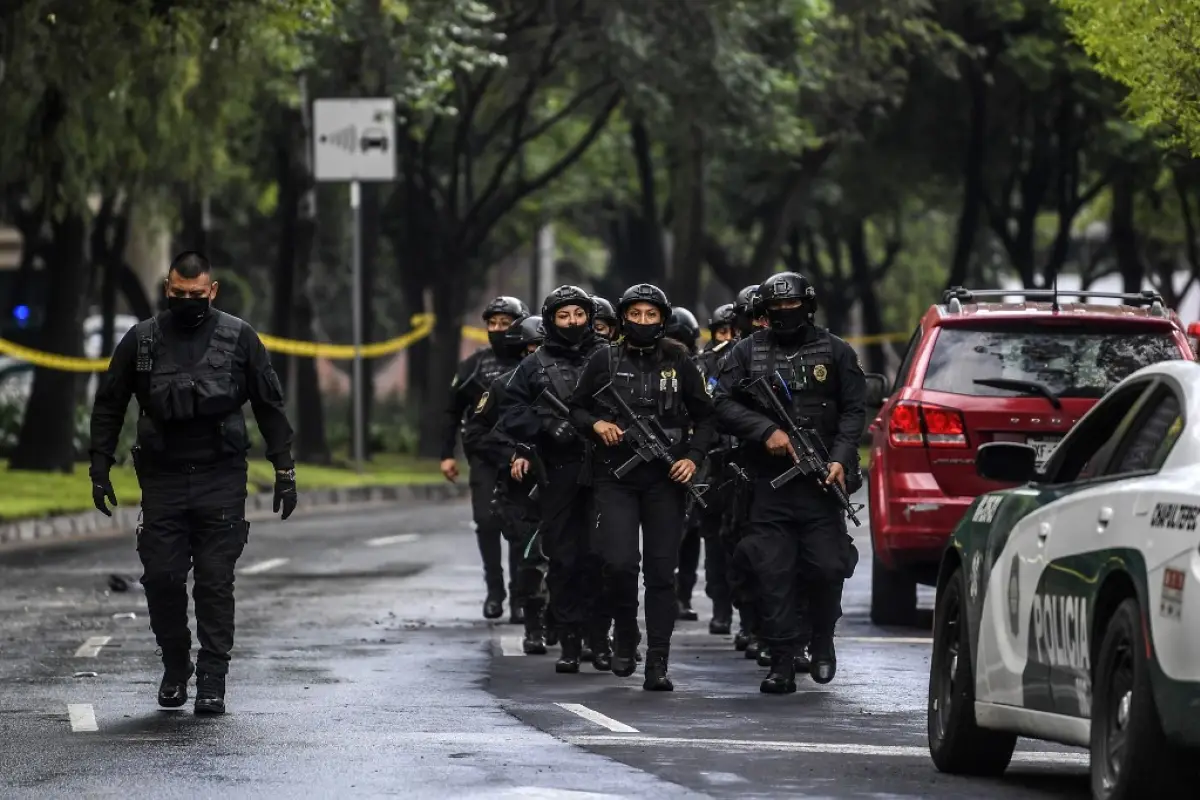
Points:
x=1006 y=462
x=876 y=389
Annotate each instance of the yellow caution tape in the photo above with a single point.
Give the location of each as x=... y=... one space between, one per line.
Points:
x=422 y=326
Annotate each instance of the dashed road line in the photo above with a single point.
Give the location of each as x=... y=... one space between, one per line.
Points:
x=264 y=566
x=402 y=538
x=511 y=646
x=598 y=718
x=83 y=718
x=830 y=748
x=91 y=648
x=886 y=639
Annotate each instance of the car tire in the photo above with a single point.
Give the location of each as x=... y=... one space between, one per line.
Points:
x=893 y=596
x=1123 y=707
x=956 y=743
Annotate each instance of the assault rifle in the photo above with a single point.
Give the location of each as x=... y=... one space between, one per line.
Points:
x=811 y=457
x=648 y=439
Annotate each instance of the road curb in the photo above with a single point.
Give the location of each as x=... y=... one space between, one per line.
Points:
x=258 y=506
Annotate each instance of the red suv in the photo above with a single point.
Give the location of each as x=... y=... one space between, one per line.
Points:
x=981 y=370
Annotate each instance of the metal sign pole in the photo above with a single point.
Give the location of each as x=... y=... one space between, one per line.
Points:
x=360 y=450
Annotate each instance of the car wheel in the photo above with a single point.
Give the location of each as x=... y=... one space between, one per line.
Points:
x=1130 y=755
x=956 y=743
x=893 y=596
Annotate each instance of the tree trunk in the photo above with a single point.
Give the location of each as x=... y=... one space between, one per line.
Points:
x=448 y=301
x=1123 y=234
x=284 y=282
x=47 y=439
x=973 y=161
x=312 y=445
x=687 y=190
x=650 y=240
x=130 y=285
x=864 y=285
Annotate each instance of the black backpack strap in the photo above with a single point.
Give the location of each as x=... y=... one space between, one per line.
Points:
x=553 y=374
x=762 y=355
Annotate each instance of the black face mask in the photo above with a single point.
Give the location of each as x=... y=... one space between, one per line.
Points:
x=640 y=334
x=572 y=334
x=189 y=311
x=496 y=340
x=788 y=323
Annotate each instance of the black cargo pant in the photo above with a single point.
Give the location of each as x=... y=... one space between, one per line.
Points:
x=797 y=542
x=647 y=499
x=192 y=520
x=689 y=559
x=574 y=569
x=488 y=530
x=716 y=564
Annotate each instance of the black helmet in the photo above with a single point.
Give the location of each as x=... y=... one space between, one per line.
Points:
x=644 y=293
x=505 y=305
x=567 y=296
x=525 y=331
x=724 y=315
x=745 y=299
x=683 y=327
x=788 y=286
x=604 y=310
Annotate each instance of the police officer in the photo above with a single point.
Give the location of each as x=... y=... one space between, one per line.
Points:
x=714 y=520
x=746 y=310
x=683 y=327
x=191 y=368
x=517 y=511
x=475 y=374
x=798 y=528
x=529 y=414
x=655 y=377
x=604 y=323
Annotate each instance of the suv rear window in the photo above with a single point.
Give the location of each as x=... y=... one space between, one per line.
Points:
x=1070 y=362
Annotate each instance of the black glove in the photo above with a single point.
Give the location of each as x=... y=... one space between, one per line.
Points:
x=285 y=492
x=102 y=489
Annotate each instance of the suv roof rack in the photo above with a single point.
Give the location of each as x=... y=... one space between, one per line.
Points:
x=955 y=296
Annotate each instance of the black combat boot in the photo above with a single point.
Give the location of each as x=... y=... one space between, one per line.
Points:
x=210 y=693
x=803 y=659
x=752 y=649
x=624 y=660
x=177 y=671
x=764 y=656
x=742 y=639
x=568 y=662
x=534 y=643
x=517 y=615
x=493 y=606
x=585 y=651
x=720 y=626
x=824 y=659
x=656 y=673
x=782 y=677
x=602 y=657
x=684 y=611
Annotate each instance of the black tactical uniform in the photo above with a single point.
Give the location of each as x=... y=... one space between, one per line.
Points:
x=511 y=502
x=685 y=329
x=797 y=529
x=746 y=309
x=191 y=383
x=475 y=374
x=529 y=417
x=656 y=379
x=715 y=519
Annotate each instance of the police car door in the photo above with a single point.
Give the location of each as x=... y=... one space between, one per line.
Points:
x=1061 y=561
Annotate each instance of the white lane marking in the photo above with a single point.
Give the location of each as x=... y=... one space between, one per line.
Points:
x=542 y=793
x=83 y=718
x=91 y=648
x=597 y=717
x=895 y=751
x=263 y=566
x=403 y=538
x=885 y=639
x=511 y=646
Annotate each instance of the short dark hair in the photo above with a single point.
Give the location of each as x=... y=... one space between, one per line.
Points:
x=190 y=264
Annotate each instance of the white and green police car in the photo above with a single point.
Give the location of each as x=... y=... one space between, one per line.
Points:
x=1068 y=608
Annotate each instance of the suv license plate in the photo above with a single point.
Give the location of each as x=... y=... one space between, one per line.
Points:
x=1044 y=447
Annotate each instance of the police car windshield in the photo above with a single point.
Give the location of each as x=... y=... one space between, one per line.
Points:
x=1069 y=362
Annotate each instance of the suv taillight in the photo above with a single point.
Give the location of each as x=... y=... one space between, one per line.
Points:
x=914 y=424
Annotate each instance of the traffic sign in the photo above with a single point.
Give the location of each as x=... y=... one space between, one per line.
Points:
x=354 y=139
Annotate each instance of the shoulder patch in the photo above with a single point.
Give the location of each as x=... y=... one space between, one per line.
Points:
x=482 y=402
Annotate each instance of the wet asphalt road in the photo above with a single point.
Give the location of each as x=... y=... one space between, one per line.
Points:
x=362 y=668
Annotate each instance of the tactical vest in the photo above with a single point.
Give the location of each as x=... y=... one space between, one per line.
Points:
x=810 y=376
x=559 y=373
x=487 y=368
x=652 y=392
x=170 y=394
